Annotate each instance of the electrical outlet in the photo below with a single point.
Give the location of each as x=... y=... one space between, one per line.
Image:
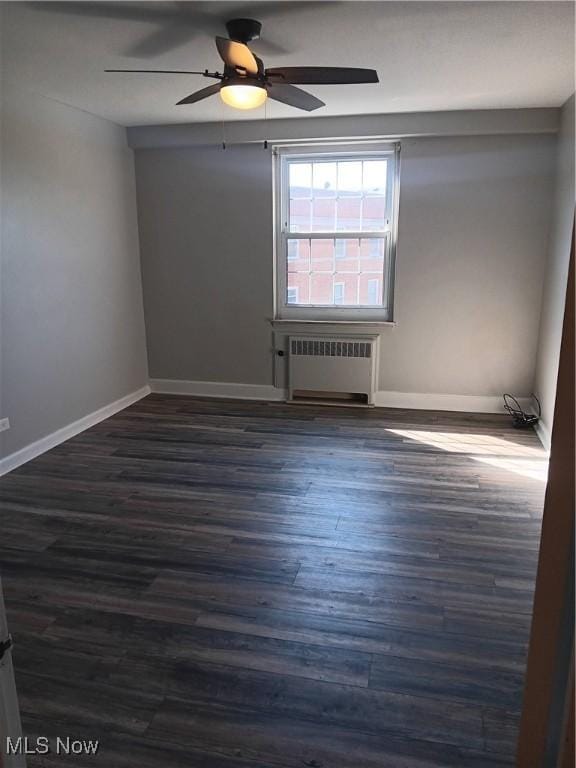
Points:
x=4 y=424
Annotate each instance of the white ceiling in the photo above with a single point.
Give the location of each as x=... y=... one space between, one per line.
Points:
x=429 y=55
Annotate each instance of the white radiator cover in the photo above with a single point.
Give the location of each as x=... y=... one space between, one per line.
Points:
x=345 y=364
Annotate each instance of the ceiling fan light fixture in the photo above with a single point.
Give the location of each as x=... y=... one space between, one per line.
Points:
x=243 y=95
x=246 y=83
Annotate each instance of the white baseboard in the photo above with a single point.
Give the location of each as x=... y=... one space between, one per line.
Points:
x=30 y=452
x=382 y=399
x=217 y=389
x=441 y=402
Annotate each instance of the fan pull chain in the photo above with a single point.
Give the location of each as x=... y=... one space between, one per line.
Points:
x=266 y=123
x=223 y=126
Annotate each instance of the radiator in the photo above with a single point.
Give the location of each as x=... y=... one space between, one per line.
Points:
x=335 y=366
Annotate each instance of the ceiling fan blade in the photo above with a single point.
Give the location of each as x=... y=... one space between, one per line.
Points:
x=199 y=95
x=237 y=55
x=294 y=97
x=160 y=71
x=168 y=37
x=323 y=75
x=269 y=47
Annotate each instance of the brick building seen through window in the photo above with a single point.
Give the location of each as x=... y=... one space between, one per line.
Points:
x=359 y=263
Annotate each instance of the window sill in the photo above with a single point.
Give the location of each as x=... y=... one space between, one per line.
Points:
x=353 y=324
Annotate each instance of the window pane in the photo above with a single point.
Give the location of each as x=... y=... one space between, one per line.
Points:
x=298 y=256
x=300 y=215
x=374 y=174
x=338 y=196
x=338 y=271
x=374 y=292
x=373 y=214
x=372 y=255
x=323 y=215
x=298 y=288
x=347 y=253
x=292 y=295
x=322 y=256
x=322 y=288
x=340 y=288
x=300 y=180
x=349 y=214
x=370 y=287
x=350 y=178
x=324 y=179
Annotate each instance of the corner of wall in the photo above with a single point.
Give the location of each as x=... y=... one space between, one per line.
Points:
x=556 y=277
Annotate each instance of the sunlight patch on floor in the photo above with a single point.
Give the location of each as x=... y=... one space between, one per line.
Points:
x=524 y=460
x=536 y=469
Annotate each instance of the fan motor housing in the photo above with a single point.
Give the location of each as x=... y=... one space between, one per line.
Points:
x=244 y=30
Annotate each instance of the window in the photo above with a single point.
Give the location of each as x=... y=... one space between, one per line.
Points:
x=292 y=252
x=339 y=249
x=374 y=291
x=336 y=231
x=292 y=297
x=374 y=249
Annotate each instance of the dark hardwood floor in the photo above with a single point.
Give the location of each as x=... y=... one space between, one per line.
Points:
x=229 y=584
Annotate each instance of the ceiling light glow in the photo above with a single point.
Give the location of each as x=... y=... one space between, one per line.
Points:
x=243 y=96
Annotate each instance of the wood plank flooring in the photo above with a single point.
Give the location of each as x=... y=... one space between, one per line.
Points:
x=231 y=584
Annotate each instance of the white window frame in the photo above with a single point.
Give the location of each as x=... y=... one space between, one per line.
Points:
x=282 y=155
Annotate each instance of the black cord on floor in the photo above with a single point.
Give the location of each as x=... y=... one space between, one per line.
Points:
x=520 y=418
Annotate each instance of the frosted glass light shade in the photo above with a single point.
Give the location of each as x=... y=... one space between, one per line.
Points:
x=243 y=96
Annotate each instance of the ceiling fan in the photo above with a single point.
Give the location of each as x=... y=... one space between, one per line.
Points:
x=246 y=84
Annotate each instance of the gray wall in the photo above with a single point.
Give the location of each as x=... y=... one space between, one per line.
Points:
x=554 y=294
x=72 y=326
x=474 y=218
x=205 y=221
